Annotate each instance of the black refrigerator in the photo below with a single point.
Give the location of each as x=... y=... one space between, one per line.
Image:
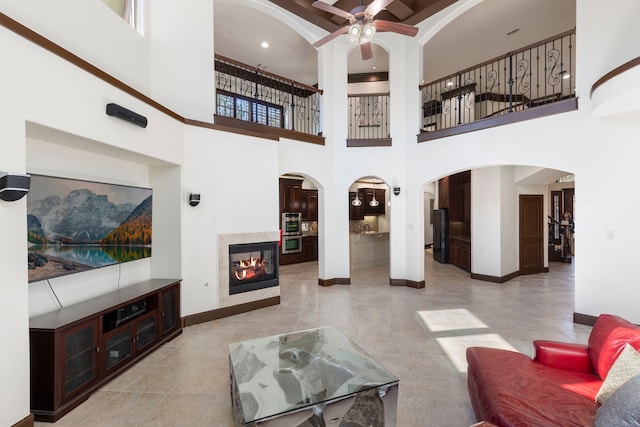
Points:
x=441 y=235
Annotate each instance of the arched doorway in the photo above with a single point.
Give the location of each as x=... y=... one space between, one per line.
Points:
x=369 y=224
x=299 y=219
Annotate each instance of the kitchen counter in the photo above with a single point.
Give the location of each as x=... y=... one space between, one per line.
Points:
x=368 y=249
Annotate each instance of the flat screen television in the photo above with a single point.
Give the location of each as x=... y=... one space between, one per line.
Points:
x=75 y=225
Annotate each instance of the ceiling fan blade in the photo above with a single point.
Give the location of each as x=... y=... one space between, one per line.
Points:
x=395 y=27
x=340 y=31
x=331 y=9
x=366 y=51
x=376 y=6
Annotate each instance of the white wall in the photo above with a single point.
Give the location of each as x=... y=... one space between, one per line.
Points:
x=181 y=57
x=237 y=178
x=486 y=221
x=101 y=37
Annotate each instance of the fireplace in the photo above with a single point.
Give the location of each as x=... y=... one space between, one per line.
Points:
x=252 y=266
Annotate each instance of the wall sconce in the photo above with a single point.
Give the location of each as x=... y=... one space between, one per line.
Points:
x=194 y=199
x=14 y=186
x=396 y=191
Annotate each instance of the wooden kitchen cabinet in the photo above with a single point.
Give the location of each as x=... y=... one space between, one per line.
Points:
x=290 y=195
x=309 y=205
x=309 y=248
x=368 y=196
x=460 y=197
x=356 y=212
x=443 y=192
x=368 y=250
x=460 y=252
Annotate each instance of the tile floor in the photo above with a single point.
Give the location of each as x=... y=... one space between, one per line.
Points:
x=420 y=335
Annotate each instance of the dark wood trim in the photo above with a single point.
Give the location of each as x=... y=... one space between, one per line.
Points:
x=615 y=72
x=495 y=279
x=381 y=76
x=373 y=142
x=25 y=422
x=334 y=281
x=219 y=313
x=50 y=46
x=564 y=106
x=360 y=95
x=584 y=319
x=407 y=283
x=264 y=131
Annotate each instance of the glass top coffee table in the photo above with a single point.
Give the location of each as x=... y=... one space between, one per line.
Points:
x=312 y=378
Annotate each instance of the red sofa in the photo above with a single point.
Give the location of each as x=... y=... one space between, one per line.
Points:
x=558 y=387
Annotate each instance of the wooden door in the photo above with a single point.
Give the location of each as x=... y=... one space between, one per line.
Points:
x=531 y=234
x=567 y=199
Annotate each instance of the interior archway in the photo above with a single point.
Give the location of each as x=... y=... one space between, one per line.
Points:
x=369 y=224
x=493 y=221
x=300 y=197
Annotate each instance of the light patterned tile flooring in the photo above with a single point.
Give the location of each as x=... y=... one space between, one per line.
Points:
x=420 y=335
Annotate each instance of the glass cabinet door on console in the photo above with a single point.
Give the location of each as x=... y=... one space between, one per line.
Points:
x=170 y=301
x=117 y=348
x=146 y=332
x=120 y=345
x=80 y=364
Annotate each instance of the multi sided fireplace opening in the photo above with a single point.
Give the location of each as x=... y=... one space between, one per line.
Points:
x=252 y=266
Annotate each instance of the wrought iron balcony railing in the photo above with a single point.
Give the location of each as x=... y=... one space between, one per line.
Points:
x=369 y=120
x=253 y=95
x=536 y=75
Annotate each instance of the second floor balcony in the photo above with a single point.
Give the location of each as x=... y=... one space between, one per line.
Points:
x=534 y=81
x=251 y=98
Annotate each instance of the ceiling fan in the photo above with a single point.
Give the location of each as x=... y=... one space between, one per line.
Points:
x=362 y=25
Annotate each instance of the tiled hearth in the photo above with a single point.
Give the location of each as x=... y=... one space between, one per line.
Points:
x=224 y=241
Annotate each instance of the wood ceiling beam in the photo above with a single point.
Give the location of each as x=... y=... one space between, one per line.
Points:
x=308 y=13
x=427 y=8
x=400 y=10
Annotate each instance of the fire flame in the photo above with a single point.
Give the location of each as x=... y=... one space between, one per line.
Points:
x=247 y=269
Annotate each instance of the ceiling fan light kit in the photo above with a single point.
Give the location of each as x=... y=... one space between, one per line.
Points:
x=362 y=26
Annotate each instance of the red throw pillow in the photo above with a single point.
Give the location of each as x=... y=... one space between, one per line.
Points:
x=607 y=339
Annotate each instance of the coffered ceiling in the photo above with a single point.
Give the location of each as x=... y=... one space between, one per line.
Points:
x=488 y=29
x=406 y=11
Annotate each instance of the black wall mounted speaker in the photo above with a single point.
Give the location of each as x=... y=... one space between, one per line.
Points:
x=194 y=199
x=13 y=186
x=128 y=115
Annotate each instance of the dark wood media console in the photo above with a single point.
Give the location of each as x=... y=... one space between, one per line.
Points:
x=77 y=349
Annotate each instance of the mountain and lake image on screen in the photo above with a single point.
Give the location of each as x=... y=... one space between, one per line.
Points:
x=75 y=225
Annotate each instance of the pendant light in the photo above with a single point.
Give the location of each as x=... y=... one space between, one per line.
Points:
x=356 y=201
x=374 y=202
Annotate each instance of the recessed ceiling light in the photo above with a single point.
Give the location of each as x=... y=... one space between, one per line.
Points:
x=374 y=67
x=264 y=45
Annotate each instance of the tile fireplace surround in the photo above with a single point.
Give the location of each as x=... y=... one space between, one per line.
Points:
x=224 y=241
